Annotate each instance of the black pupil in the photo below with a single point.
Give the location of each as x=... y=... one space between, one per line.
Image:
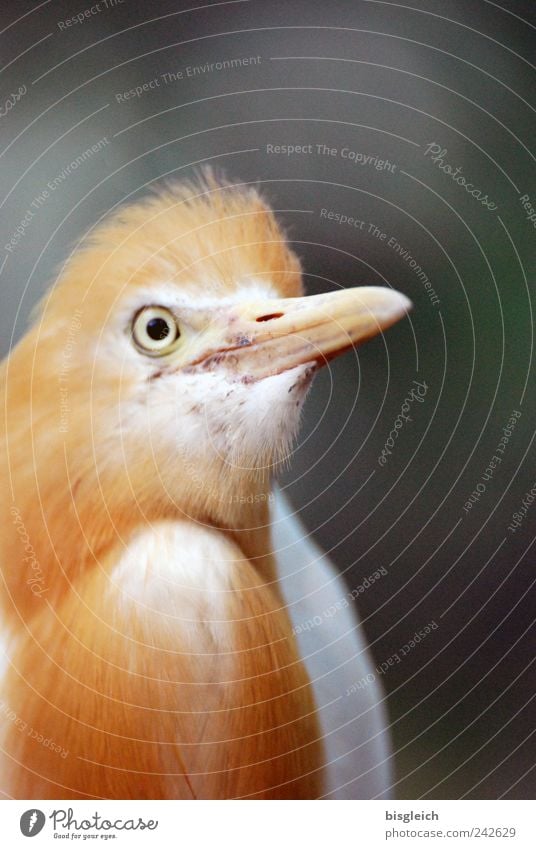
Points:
x=158 y=329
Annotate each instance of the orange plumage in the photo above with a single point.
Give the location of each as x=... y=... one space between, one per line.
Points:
x=145 y=632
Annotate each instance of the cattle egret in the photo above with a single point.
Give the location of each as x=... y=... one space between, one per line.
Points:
x=148 y=622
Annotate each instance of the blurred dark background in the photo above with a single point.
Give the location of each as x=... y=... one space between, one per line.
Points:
x=362 y=79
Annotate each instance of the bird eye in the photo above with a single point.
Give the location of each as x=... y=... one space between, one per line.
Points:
x=155 y=330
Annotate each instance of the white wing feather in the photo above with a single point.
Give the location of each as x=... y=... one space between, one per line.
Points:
x=355 y=726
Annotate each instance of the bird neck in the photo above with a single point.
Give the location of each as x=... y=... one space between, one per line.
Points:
x=250 y=530
x=236 y=504
x=63 y=522
x=239 y=506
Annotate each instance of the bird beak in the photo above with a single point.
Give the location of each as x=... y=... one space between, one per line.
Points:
x=267 y=337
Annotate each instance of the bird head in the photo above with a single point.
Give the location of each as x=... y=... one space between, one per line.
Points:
x=170 y=362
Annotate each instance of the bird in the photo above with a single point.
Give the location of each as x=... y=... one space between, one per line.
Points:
x=151 y=583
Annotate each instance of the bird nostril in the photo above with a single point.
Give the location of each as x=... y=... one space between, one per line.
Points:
x=270 y=316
